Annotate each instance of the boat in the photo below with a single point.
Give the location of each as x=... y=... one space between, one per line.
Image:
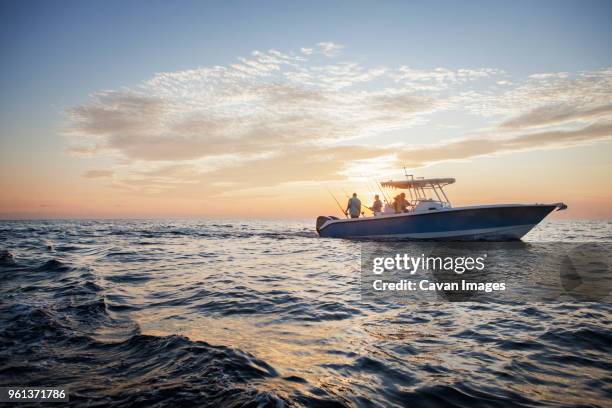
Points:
x=429 y=215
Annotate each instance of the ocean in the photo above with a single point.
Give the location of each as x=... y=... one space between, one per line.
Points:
x=265 y=313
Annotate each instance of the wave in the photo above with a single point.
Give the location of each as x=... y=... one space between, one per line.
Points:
x=54 y=265
x=281 y=306
x=46 y=348
x=597 y=339
x=463 y=395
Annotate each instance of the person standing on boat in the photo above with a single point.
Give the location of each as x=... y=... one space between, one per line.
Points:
x=353 y=207
x=377 y=205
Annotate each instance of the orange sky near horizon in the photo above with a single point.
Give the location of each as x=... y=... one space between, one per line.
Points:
x=514 y=178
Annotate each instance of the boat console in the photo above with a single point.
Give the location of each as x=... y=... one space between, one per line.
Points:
x=427 y=205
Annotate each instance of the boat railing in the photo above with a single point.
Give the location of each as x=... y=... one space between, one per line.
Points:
x=422 y=189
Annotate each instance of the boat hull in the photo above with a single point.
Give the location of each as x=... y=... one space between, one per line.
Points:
x=498 y=222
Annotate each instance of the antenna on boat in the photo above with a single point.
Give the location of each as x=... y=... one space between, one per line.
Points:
x=411 y=176
x=408 y=175
x=411 y=196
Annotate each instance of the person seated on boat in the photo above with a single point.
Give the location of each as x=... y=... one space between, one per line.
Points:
x=353 y=207
x=396 y=204
x=404 y=203
x=376 y=206
x=400 y=204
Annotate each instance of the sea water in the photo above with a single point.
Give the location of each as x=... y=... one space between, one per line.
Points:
x=257 y=313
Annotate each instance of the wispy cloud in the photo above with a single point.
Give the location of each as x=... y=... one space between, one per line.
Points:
x=493 y=144
x=92 y=174
x=316 y=164
x=282 y=117
x=261 y=104
x=554 y=114
x=329 y=48
x=544 y=93
x=441 y=78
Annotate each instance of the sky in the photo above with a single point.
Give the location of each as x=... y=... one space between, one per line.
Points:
x=257 y=109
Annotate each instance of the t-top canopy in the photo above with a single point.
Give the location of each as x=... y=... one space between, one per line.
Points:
x=418 y=183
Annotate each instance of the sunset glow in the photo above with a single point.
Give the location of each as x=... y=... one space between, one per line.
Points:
x=266 y=131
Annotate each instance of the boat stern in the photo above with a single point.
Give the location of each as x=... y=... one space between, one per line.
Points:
x=322 y=220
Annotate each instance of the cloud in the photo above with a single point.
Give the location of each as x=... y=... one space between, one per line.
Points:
x=92 y=174
x=488 y=145
x=115 y=111
x=553 y=114
x=317 y=164
x=441 y=78
x=272 y=101
x=329 y=49
x=285 y=117
x=552 y=97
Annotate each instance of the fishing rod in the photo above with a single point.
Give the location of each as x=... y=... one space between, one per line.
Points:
x=369 y=182
x=370 y=185
x=337 y=202
x=382 y=191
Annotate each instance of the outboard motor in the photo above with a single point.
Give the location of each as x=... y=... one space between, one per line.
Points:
x=322 y=219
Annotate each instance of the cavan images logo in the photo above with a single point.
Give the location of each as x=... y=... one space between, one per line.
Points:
x=488 y=271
